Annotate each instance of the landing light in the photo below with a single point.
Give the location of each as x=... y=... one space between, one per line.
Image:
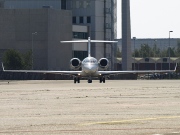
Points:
x=100 y=74
x=79 y=74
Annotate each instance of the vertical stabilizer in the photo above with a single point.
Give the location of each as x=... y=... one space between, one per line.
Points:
x=89 y=47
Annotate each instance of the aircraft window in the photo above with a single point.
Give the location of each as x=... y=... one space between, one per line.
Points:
x=90 y=61
x=86 y=61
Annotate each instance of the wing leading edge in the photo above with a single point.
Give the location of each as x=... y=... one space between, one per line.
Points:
x=44 y=71
x=136 y=71
x=99 y=72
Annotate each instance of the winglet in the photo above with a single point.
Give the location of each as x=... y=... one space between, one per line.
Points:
x=175 y=67
x=2 y=66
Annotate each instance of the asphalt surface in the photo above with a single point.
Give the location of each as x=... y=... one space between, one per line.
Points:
x=138 y=107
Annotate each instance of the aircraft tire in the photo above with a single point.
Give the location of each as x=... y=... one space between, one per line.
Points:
x=104 y=79
x=74 y=79
x=78 y=80
x=100 y=80
x=89 y=81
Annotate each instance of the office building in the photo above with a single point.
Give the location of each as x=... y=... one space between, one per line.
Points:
x=97 y=19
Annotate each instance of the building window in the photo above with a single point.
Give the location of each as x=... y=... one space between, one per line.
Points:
x=74 y=20
x=80 y=54
x=63 y=4
x=80 y=35
x=81 y=20
x=88 y=19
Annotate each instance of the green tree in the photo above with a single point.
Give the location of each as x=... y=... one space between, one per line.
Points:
x=172 y=52
x=136 y=53
x=164 y=53
x=155 y=51
x=178 y=49
x=12 y=60
x=27 y=60
x=145 y=51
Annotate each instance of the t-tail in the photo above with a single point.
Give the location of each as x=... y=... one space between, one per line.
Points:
x=89 y=41
x=89 y=47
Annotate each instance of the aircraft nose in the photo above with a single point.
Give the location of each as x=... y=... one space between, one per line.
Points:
x=90 y=68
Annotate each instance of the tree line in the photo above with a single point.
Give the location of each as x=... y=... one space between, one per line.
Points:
x=13 y=59
x=146 y=51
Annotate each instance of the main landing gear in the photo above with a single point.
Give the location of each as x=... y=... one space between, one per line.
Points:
x=102 y=79
x=76 y=79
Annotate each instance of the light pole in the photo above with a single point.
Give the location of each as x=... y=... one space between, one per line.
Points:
x=134 y=38
x=169 y=51
x=35 y=33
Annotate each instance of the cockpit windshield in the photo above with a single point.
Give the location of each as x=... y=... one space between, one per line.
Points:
x=90 y=61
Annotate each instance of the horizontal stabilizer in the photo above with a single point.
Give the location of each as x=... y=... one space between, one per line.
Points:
x=75 y=41
x=103 y=41
x=89 y=41
x=86 y=41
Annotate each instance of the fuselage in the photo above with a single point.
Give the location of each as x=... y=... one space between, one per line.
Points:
x=90 y=67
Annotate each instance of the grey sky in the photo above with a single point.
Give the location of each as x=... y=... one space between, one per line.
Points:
x=152 y=18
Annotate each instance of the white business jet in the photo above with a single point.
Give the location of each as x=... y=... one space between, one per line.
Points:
x=90 y=66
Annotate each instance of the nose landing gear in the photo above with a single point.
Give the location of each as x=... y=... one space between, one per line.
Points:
x=89 y=80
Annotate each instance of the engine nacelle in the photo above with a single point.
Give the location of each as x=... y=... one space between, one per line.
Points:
x=75 y=64
x=103 y=63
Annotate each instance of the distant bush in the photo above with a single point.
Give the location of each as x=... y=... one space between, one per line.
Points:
x=15 y=60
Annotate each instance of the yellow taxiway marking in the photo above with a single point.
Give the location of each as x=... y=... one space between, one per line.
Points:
x=128 y=121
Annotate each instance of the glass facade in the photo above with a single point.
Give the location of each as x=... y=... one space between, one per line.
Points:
x=33 y=4
x=80 y=54
x=80 y=4
x=80 y=35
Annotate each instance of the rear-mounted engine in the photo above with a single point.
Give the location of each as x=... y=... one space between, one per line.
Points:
x=103 y=63
x=75 y=64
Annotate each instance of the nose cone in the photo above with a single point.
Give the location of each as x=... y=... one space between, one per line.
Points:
x=90 y=68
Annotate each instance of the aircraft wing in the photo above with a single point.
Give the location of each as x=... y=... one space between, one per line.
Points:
x=44 y=71
x=135 y=72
